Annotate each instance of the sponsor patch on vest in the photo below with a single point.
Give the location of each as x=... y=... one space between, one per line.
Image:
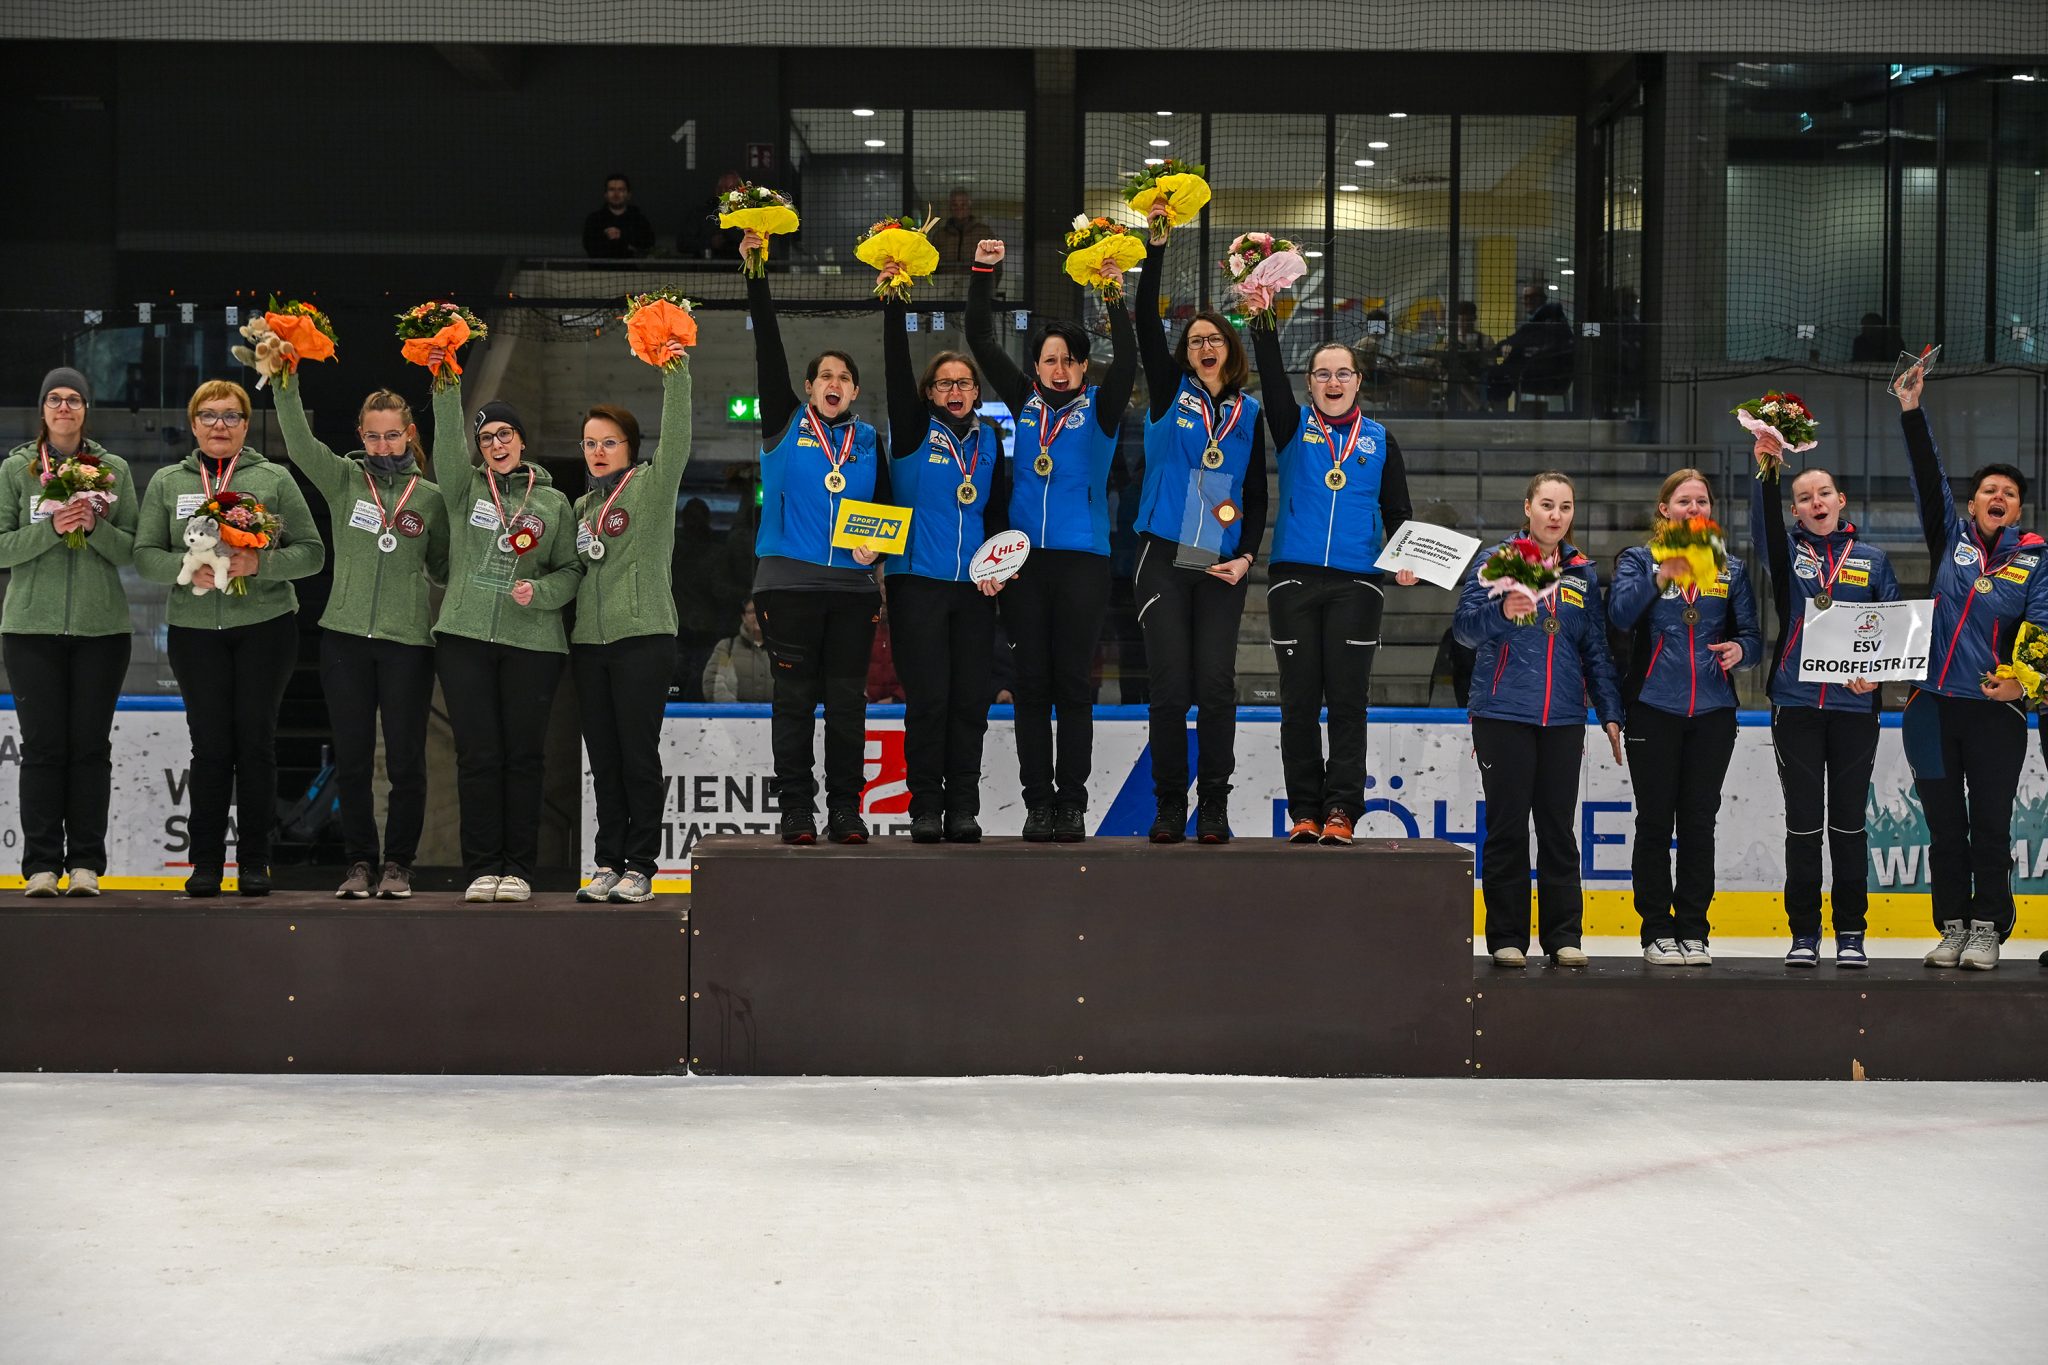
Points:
x=1718 y=588
x=1856 y=563
x=2026 y=561
x=1368 y=445
x=1855 y=578
x=2013 y=573
x=1965 y=553
x=1570 y=596
x=1806 y=566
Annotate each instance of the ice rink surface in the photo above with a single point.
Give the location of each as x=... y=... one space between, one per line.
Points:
x=430 y=1221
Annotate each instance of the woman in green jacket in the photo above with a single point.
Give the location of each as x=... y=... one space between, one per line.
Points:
x=376 y=644
x=512 y=567
x=64 y=634
x=624 y=648
x=232 y=653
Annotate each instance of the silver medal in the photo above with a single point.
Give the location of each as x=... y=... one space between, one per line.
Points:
x=505 y=544
x=387 y=542
x=596 y=550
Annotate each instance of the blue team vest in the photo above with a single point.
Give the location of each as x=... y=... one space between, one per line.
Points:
x=797 y=510
x=1174 y=446
x=944 y=532
x=1067 y=509
x=1340 y=528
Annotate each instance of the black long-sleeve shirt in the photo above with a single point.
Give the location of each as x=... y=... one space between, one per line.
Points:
x=1015 y=388
x=636 y=234
x=1162 y=382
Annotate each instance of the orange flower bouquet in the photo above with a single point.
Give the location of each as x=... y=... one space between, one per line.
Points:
x=245 y=524
x=1697 y=541
x=286 y=334
x=656 y=318
x=442 y=326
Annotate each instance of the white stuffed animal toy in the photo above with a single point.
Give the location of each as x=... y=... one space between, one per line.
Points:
x=203 y=547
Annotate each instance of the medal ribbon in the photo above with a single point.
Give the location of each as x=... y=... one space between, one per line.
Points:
x=1050 y=423
x=1984 y=555
x=1209 y=422
x=211 y=489
x=491 y=482
x=382 y=520
x=818 y=430
x=966 y=467
x=1357 y=429
x=597 y=527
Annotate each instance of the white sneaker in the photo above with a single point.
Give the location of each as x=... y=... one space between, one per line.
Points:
x=1980 y=949
x=42 y=884
x=1949 y=951
x=601 y=883
x=1663 y=952
x=513 y=889
x=633 y=888
x=84 y=882
x=482 y=889
x=1694 y=951
x=1510 y=957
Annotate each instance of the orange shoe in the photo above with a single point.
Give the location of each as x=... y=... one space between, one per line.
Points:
x=1304 y=832
x=1337 y=829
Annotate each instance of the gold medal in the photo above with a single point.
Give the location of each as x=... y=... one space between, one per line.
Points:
x=967 y=493
x=835 y=482
x=1334 y=480
x=1042 y=465
x=1212 y=458
x=1983 y=584
x=1226 y=512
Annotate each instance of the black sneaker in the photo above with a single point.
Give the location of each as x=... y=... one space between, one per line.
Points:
x=962 y=828
x=799 y=827
x=1170 y=825
x=203 y=884
x=929 y=828
x=253 y=882
x=1212 y=820
x=843 y=825
x=1069 y=824
x=1038 y=825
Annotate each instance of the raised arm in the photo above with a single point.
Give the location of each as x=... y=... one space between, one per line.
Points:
x=1160 y=380
x=451 y=453
x=1283 y=411
x=1773 y=545
x=327 y=471
x=672 y=455
x=1937 y=502
x=1114 y=394
x=998 y=371
x=779 y=401
x=908 y=418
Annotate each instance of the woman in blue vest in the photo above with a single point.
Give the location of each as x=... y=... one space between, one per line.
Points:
x=1343 y=488
x=1058 y=481
x=1825 y=734
x=818 y=604
x=1966 y=739
x=1681 y=724
x=946 y=466
x=1538 y=667
x=1205 y=481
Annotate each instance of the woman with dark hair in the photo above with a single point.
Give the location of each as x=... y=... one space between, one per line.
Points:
x=1058 y=481
x=818 y=603
x=1343 y=490
x=232 y=652
x=946 y=466
x=1966 y=737
x=1201 y=516
x=624 y=646
x=64 y=633
x=1681 y=725
x=376 y=637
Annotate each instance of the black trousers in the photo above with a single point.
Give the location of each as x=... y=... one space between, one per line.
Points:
x=1190 y=619
x=1326 y=631
x=1824 y=763
x=233 y=681
x=498 y=697
x=1530 y=770
x=621 y=693
x=1677 y=765
x=944 y=636
x=818 y=645
x=1966 y=757
x=1052 y=612
x=364 y=680
x=65 y=690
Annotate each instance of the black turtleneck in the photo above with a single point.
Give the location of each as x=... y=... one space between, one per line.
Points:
x=603 y=486
x=390 y=466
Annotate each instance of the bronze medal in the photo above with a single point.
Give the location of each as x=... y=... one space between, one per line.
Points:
x=967 y=493
x=835 y=482
x=1551 y=625
x=1042 y=466
x=1823 y=601
x=1983 y=584
x=1692 y=616
x=1334 y=480
x=1212 y=458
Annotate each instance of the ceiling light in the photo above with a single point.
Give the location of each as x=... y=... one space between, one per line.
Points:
x=863 y=113
x=1313 y=255
x=1553 y=289
x=1564 y=260
x=1166 y=113
x=875 y=142
x=1162 y=142
x=1361 y=162
x=1377 y=146
x=1567 y=272
x=1348 y=189
x=1155 y=161
x=1397 y=116
x=2023 y=76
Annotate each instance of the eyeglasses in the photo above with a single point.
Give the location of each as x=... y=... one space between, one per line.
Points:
x=230 y=420
x=1206 y=342
x=59 y=403
x=1333 y=376
x=486 y=439
x=954 y=385
x=385 y=437
x=609 y=445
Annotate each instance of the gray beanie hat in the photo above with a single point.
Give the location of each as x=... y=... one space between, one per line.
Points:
x=64 y=377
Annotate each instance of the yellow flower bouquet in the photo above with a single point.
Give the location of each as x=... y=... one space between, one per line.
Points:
x=2029 y=666
x=900 y=250
x=1098 y=254
x=756 y=208
x=1168 y=195
x=1695 y=540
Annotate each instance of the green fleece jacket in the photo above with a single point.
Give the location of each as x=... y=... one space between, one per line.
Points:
x=627 y=593
x=54 y=589
x=175 y=493
x=475 y=608
x=376 y=595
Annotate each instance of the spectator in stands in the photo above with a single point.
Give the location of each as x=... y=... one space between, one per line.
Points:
x=739 y=669
x=701 y=236
x=883 y=684
x=696 y=583
x=1876 y=343
x=617 y=230
x=1466 y=353
x=1537 y=355
x=960 y=232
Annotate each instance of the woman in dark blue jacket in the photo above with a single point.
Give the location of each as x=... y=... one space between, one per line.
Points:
x=1967 y=739
x=946 y=466
x=1204 y=483
x=1343 y=490
x=818 y=603
x=1531 y=685
x=1825 y=734
x=1058 y=475
x=1681 y=726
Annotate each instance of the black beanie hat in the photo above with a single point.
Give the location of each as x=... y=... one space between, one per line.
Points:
x=498 y=411
x=64 y=377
